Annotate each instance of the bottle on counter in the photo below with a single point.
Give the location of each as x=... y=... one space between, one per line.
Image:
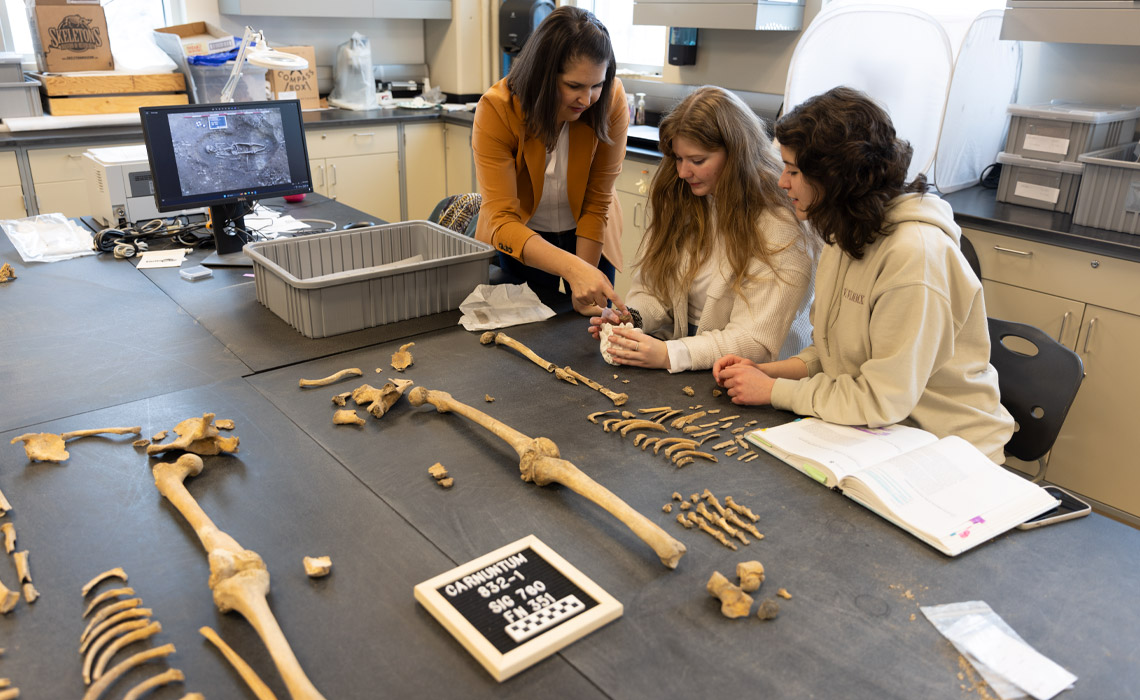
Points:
x=639 y=114
x=632 y=108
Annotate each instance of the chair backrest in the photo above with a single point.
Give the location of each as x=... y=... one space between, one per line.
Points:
x=1037 y=389
x=971 y=256
x=459 y=212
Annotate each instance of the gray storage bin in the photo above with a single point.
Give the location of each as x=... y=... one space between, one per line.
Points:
x=207 y=82
x=21 y=99
x=1110 y=194
x=11 y=67
x=341 y=281
x=1061 y=131
x=1038 y=183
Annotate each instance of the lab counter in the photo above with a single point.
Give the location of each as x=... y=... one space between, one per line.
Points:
x=147 y=350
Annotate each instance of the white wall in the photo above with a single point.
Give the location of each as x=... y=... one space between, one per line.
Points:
x=1081 y=72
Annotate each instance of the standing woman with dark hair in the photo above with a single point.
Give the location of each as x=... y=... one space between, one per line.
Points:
x=725 y=267
x=900 y=333
x=549 y=140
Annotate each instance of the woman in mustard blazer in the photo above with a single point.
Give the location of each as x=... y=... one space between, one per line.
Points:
x=549 y=140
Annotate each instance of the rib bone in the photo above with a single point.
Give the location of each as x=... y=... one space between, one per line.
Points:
x=172 y=675
x=100 y=686
x=332 y=378
x=107 y=627
x=106 y=595
x=539 y=462
x=238 y=577
x=105 y=613
x=121 y=643
x=247 y=674
x=103 y=639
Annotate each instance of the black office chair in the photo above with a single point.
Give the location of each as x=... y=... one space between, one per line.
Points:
x=459 y=212
x=1037 y=389
x=971 y=256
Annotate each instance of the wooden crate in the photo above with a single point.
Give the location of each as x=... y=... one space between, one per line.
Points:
x=109 y=93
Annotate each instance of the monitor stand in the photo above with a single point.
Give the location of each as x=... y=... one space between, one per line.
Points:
x=227 y=223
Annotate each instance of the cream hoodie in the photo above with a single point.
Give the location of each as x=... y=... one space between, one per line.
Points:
x=901 y=336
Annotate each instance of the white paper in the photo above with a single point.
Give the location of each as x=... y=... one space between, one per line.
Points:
x=48 y=238
x=1020 y=663
x=162 y=258
x=500 y=305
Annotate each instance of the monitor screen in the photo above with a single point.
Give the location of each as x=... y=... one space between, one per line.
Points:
x=225 y=156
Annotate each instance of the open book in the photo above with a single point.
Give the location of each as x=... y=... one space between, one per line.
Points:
x=944 y=492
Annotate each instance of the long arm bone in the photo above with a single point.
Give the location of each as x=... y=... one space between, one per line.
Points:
x=540 y=463
x=238 y=577
x=618 y=399
x=503 y=339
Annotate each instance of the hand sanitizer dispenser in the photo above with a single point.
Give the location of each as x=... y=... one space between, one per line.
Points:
x=682 y=46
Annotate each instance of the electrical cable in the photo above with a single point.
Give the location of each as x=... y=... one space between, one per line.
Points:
x=331 y=225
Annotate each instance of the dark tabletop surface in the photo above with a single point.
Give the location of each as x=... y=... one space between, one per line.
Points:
x=301 y=486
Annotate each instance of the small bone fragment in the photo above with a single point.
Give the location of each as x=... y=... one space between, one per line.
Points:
x=99 y=687
x=681 y=519
x=685 y=505
x=8 y=599
x=743 y=510
x=48 y=447
x=488 y=398
x=688 y=391
x=749 y=457
x=332 y=378
x=694 y=497
x=618 y=399
x=657 y=409
x=493 y=337
x=316 y=567
x=667 y=508
x=540 y=463
x=713 y=424
x=438 y=471
x=735 y=520
x=717 y=392
x=743 y=443
x=347 y=416
x=172 y=675
x=639 y=424
x=648 y=441
x=239 y=578
x=677 y=496
x=198 y=435
x=141 y=442
x=768 y=609
x=625 y=381
x=608 y=422
x=382 y=399
x=710 y=497
x=341 y=399
x=446 y=483
x=105 y=613
x=159 y=436
x=685 y=420
x=7 y=273
x=684 y=462
x=703 y=433
x=402 y=359
x=224 y=423
x=722 y=445
x=105 y=596
x=666 y=416
x=193 y=696
x=9 y=694
x=5 y=682
x=593 y=417
x=107 y=627
x=97 y=645
x=21 y=560
x=731 y=451
x=638 y=438
x=673 y=441
x=783 y=593
x=9 y=531
x=5 y=506
x=751 y=575
x=706 y=438
x=121 y=643
x=733 y=601
x=628 y=414
x=713 y=410
x=703 y=525
x=737 y=431
x=694 y=454
x=258 y=686
x=110 y=573
x=30 y=592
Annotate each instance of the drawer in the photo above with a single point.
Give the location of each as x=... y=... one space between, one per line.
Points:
x=635 y=177
x=9 y=169
x=57 y=164
x=332 y=143
x=1087 y=277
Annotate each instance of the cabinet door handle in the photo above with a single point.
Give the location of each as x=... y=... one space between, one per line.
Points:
x=636 y=208
x=1064 y=322
x=362 y=134
x=321 y=170
x=1088 y=336
x=1022 y=253
x=332 y=169
x=74 y=155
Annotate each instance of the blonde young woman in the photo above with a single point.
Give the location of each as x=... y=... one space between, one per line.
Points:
x=725 y=268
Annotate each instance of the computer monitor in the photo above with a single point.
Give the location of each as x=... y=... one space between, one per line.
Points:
x=225 y=157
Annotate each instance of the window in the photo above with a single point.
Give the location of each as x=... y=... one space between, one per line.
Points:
x=127 y=20
x=637 y=47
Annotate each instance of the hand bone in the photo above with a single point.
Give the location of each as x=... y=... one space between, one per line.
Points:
x=539 y=462
x=734 y=602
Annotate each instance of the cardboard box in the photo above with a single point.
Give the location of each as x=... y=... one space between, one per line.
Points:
x=201 y=38
x=70 y=35
x=297 y=84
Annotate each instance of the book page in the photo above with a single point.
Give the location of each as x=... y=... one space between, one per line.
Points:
x=950 y=492
x=811 y=445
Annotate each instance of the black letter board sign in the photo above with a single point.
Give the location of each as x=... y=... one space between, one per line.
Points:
x=516 y=605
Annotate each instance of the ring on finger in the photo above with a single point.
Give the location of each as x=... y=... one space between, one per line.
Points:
x=636 y=345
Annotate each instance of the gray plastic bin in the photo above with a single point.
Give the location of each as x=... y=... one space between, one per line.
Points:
x=341 y=281
x=1061 y=131
x=1110 y=193
x=1038 y=183
x=21 y=99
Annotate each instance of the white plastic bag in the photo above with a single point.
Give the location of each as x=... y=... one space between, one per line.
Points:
x=48 y=238
x=353 y=84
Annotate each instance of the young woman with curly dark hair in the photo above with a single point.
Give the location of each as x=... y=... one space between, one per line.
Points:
x=900 y=332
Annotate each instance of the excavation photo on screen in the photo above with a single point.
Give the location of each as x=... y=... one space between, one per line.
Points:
x=223 y=152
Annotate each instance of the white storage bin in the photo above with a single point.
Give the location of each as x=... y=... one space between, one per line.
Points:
x=1061 y=131
x=1039 y=183
x=1110 y=195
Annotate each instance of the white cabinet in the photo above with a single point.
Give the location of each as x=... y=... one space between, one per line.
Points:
x=1092 y=303
x=633 y=193
x=11 y=193
x=59 y=177
x=387 y=9
x=425 y=178
x=460 y=159
x=359 y=167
